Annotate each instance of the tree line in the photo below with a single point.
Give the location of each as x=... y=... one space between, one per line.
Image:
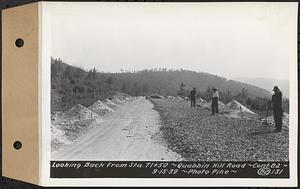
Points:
x=72 y=85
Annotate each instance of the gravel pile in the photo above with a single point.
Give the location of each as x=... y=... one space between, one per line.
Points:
x=110 y=103
x=235 y=105
x=235 y=109
x=58 y=138
x=121 y=96
x=179 y=98
x=79 y=112
x=171 y=97
x=117 y=101
x=199 y=136
x=100 y=108
x=55 y=115
x=72 y=124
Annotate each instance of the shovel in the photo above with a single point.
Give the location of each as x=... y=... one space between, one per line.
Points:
x=265 y=122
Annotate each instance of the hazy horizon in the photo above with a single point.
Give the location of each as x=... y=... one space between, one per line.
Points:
x=230 y=40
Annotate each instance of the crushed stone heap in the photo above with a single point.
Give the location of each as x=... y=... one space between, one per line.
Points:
x=100 y=108
x=179 y=98
x=79 y=112
x=72 y=124
x=117 y=101
x=235 y=109
x=110 y=103
x=235 y=105
x=121 y=96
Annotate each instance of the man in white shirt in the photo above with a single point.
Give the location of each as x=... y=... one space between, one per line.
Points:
x=215 y=102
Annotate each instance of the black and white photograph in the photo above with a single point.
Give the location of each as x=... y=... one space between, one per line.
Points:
x=174 y=82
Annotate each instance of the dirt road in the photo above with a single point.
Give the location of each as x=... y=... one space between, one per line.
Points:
x=129 y=133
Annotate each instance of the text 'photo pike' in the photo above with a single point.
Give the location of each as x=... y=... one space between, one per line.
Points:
x=172 y=90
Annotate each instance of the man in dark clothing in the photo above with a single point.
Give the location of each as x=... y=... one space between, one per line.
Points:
x=193 y=97
x=277 y=108
x=215 y=102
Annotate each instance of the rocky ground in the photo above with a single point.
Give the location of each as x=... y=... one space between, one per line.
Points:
x=198 y=136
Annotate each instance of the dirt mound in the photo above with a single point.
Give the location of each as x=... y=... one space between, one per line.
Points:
x=78 y=112
x=237 y=110
x=58 y=137
x=179 y=98
x=55 y=115
x=235 y=105
x=117 y=101
x=100 y=108
x=121 y=96
x=156 y=96
x=171 y=97
x=72 y=124
x=110 y=103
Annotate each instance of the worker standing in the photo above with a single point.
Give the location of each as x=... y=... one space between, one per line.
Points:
x=277 y=108
x=215 y=102
x=193 y=97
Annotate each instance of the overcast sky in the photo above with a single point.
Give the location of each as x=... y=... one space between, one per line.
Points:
x=230 y=40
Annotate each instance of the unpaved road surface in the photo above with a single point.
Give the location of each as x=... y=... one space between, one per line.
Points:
x=129 y=133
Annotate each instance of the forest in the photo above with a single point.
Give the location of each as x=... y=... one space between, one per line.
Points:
x=72 y=85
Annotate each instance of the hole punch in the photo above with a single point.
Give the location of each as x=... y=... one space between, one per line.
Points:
x=19 y=42
x=17 y=145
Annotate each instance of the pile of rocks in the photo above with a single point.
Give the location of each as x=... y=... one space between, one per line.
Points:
x=71 y=125
x=79 y=112
x=237 y=110
x=100 y=108
x=110 y=103
x=117 y=101
x=55 y=115
x=235 y=105
x=68 y=126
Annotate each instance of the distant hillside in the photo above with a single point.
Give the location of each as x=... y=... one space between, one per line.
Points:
x=71 y=85
x=169 y=82
x=268 y=84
